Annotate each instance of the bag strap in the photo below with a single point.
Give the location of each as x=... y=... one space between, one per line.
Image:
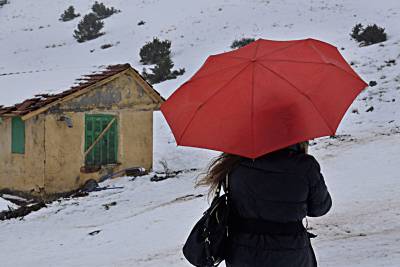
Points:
x=218 y=190
x=223 y=184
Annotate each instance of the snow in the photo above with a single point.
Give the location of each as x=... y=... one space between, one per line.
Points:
x=26 y=84
x=5 y=205
x=150 y=221
x=364 y=183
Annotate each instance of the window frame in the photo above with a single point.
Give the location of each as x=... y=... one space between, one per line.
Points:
x=90 y=160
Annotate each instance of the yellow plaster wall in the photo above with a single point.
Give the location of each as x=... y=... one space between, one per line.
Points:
x=136 y=139
x=65 y=147
x=55 y=153
x=123 y=98
x=23 y=172
x=124 y=92
x=64 y=154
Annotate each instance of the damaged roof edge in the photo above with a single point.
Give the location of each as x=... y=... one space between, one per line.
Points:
x=41 y=102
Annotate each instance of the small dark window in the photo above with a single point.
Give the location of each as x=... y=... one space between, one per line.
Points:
x=17 y=135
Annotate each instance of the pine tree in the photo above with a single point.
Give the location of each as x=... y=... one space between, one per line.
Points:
x=355 y=32
x=152 y=52
x=3 y=2
x=162 y=71
x=88 y=28
x=69 y=14
x=242 y=42
x=371 y=34
x=102 y=11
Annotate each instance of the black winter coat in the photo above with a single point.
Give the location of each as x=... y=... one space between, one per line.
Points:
x=283 y=186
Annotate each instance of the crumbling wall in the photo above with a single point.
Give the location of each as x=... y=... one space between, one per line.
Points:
x=23 y=172
x=122 y=97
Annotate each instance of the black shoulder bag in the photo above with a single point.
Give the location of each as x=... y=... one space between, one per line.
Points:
x=207 y=242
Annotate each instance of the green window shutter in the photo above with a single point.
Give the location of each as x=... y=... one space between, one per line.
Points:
x=17 y=135
x=106 y=150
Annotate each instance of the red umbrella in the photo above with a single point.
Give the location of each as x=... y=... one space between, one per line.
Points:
x=263 y=97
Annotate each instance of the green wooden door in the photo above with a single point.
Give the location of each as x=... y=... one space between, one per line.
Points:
x=106 y=149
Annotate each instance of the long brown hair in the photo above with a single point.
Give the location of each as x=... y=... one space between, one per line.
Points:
x=224 y=163
x=217 y=170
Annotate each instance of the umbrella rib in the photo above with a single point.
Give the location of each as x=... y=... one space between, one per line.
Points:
x=213 y=73
x=294 y=61
x=348 y=73
x=323 y=58
x=283 y=48
x=331 y=63
x=252 y=102
x=303 y=94
x=211 y=96
x=246 y=58
x=269 y=53
x=313 y=62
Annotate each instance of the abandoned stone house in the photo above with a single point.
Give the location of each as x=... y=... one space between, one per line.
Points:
x=54 y=143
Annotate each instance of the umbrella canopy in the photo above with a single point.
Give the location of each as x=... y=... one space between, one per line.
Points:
x=263 y=97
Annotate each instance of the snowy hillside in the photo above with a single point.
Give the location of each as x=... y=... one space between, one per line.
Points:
x=148 y=223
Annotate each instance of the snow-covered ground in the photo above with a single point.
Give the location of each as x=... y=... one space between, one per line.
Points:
x=6 y=205
x=149 y=221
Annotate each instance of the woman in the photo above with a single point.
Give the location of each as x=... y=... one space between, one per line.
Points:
x=269 y=197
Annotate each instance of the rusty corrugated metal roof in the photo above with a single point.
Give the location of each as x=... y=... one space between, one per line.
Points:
x=41 y=100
